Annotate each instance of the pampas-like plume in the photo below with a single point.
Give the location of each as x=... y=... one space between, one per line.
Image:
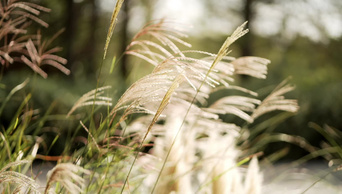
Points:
x=219 y=163
x=169 y=64
x=164 y=102
x=224 y=50
x=253 y=180
x=252 y=66
x=153 y=52
x=92 y=97
x=177 y=174
x=236 y=105
x=179 y=149
x=193 y=142
x=276 y=101
x=66 y=175
x=20 y=180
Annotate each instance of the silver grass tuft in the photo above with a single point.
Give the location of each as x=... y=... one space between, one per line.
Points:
x=92 y=97
x=194 y=151
x=276 y=101
x=66 y=175
x=253 y=180
x=252 y=66
x=19 y=180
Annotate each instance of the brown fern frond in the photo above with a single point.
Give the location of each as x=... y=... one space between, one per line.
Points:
x=16 y=17
x=17 y=43
x=34 y=67
x=13 y=9
x=39 y=56
x=32 y=17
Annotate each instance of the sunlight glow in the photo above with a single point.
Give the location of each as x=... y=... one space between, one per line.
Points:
x=315 y=19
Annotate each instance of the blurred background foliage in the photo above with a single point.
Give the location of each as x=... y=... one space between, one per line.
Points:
x=301 y=38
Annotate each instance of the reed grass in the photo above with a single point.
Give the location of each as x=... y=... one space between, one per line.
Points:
x=191 y=150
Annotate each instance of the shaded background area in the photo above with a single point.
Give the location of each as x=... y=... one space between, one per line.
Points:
x=301 y=38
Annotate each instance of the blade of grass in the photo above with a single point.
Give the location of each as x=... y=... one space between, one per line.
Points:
x=14 y=123
x=327 y=136
x=112 y=25
x=13 y=91
x=112 y=65
x=8 y=150
x=321 y=178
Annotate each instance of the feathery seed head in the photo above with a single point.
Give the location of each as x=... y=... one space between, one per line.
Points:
x=66 y=175
x=276 y=101
x=92 y=97
x=21 y=181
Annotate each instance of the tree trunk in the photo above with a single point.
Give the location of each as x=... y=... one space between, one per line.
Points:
x=248 y=16
x=123 y=39
x=69 y=29
x=89 y=49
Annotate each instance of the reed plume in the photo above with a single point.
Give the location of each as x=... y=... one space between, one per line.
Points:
x=193 y=142
x=19 y=181
x=66 y=175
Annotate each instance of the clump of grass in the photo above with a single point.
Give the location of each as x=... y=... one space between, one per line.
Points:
x=193 y=150
x=182 y=142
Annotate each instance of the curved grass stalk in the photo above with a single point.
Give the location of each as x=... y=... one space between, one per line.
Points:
x=13 y=91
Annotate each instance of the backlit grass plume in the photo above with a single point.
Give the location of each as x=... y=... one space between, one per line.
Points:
x=188 y=141
x=18 y=182
x=276 y=101
x=92 y=97
x=66 y=175
x=193 y=150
